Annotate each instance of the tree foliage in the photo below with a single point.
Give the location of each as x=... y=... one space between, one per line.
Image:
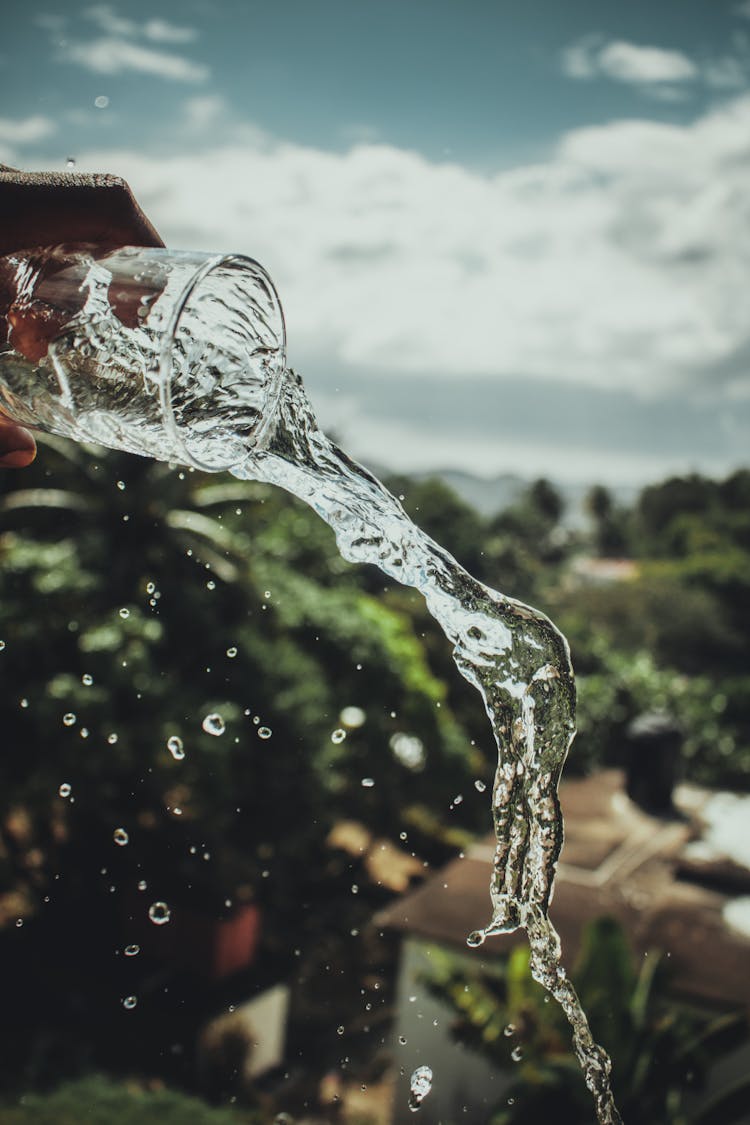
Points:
x=137 y=601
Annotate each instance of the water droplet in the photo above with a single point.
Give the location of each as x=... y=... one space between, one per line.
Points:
x=112 y=739
x=132 y=950
x=211 y=585
x=150 y=587
x=264 y=732
x=509 y=1030
x=70 y=162
x=69 y=719
x=338 y=735
x=24 y=704
x=367 y=782
x=402 y=1040
x=214 y=724
x=65 y=789
x=129 y=1002
x=231 y=652
x=352 y=717
x=340 y=1030
x=124 y=613
x=2 y=645
x=87 y=680
x=266 y=593
x=120 y=837
x=419 y=1086
x=283 y=1119
x=409 y=750
x=475 y=938
x=19 y=922
x=479 y=786
x=142 y=884
x=159 y=913
x=101 y=102
x=121 y=485
x=176 y=748
x=516 y=1054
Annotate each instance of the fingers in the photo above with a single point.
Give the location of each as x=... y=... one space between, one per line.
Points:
x=43 y=209
x=17 y=445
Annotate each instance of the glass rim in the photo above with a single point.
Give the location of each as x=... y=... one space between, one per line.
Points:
x=165 y=361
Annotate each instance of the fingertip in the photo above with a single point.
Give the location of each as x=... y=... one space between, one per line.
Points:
x=17 y=447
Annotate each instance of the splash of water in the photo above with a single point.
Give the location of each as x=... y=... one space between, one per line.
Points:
x=512 y=654
x=420 y=1085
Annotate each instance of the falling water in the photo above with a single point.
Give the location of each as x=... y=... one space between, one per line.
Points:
x=97 y=384
x=512 y=654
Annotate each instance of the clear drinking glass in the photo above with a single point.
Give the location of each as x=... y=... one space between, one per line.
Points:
x=170 y=354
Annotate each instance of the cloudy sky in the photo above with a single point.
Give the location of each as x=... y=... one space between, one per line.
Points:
x=507 y=234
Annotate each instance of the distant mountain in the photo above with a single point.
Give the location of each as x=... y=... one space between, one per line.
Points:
x=489 y=495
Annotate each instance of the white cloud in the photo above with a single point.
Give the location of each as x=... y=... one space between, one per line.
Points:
x=621 y=262
x=579 y=59
x=665 y=74
x=665 y=93
x=157 y=30
x=161 y=31
x=727 y=73
x=26 y=131
x=112 y=55
x=107 y=20
x=121 y=47
x=628 y=62
x=204 y=111
x=743 y=9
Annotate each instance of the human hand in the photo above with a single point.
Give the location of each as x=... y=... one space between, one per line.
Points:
x=45 y=209
x=17 y=445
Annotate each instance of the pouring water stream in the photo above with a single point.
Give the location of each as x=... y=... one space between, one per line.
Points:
x=515 y=657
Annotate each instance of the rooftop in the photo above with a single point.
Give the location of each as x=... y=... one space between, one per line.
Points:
x=680 y=885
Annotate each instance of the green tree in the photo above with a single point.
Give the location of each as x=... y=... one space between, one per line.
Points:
x=138 y=601
x=610 y=522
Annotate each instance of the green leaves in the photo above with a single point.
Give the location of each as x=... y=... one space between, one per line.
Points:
x=660 y=1051
x=99 y=1101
